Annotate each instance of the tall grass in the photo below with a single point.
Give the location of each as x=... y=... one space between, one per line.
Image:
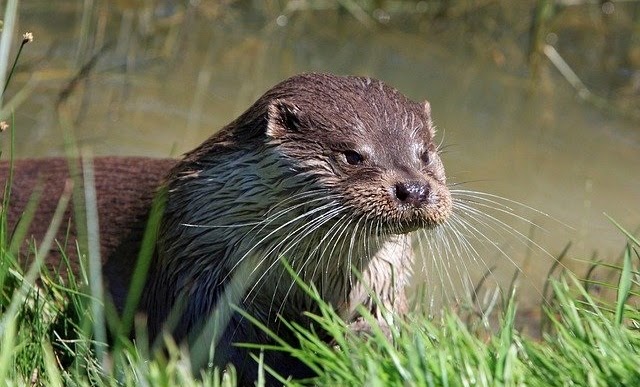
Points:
x=53 y=330
x=46 y=339
x=591 y=342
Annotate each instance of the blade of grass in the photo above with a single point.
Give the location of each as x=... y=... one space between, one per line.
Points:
x=8 y=347
x=8 y=27
x=624 y=286
x=506 y=341
x=145 y=256
x=95 y=263
x=22 y=227
x=56 y=221
x=631 y=237
x=19 y=98
x=7 y=187
x=216 y=323
x=52 y=372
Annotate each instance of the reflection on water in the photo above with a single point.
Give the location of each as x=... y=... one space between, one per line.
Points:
x=172 y=75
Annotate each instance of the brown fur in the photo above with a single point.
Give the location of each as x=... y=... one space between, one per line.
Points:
x=327 y=172
x=125 y=187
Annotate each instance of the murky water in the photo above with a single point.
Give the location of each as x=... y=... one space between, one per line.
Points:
x=171 y=78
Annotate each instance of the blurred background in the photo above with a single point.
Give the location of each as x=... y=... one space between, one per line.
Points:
x=536 y=101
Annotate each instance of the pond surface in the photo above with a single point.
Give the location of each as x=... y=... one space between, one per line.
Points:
x=172 y=75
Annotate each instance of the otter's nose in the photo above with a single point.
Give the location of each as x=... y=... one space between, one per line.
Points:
x=413 y=193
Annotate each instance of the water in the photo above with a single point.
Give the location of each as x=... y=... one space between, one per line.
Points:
x=168 y=82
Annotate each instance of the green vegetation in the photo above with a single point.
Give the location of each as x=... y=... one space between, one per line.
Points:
x=53 y=324
x=46 y=336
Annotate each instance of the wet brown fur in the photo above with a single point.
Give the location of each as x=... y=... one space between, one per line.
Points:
x=246 y=198
x=125 y=187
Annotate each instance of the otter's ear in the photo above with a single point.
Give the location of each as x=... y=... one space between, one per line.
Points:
x=427 y=113
x=283 y=117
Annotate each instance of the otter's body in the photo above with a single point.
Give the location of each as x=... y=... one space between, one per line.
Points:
x=125 y=185
x=327 y=173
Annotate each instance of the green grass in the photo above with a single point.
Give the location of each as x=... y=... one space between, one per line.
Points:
x=46 y=338
x=590 y=343
x=53 y=332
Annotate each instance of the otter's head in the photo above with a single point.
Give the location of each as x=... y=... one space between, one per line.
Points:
x=366 y=141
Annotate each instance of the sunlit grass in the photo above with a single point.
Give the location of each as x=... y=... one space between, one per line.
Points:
x=46 y=339
x=48 y=326
x=590 y=342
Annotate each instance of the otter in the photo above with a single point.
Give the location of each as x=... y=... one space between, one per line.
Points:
x=324 y=176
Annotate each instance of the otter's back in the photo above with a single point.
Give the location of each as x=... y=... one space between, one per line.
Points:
x=125 y=188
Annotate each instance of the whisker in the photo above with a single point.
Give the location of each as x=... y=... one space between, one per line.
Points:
x=304 y=231
x=522 y=238
x=493 y=198
x=275 y=232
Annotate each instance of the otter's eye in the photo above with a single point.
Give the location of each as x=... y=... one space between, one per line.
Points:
x=425 y=157
x=353 y=157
